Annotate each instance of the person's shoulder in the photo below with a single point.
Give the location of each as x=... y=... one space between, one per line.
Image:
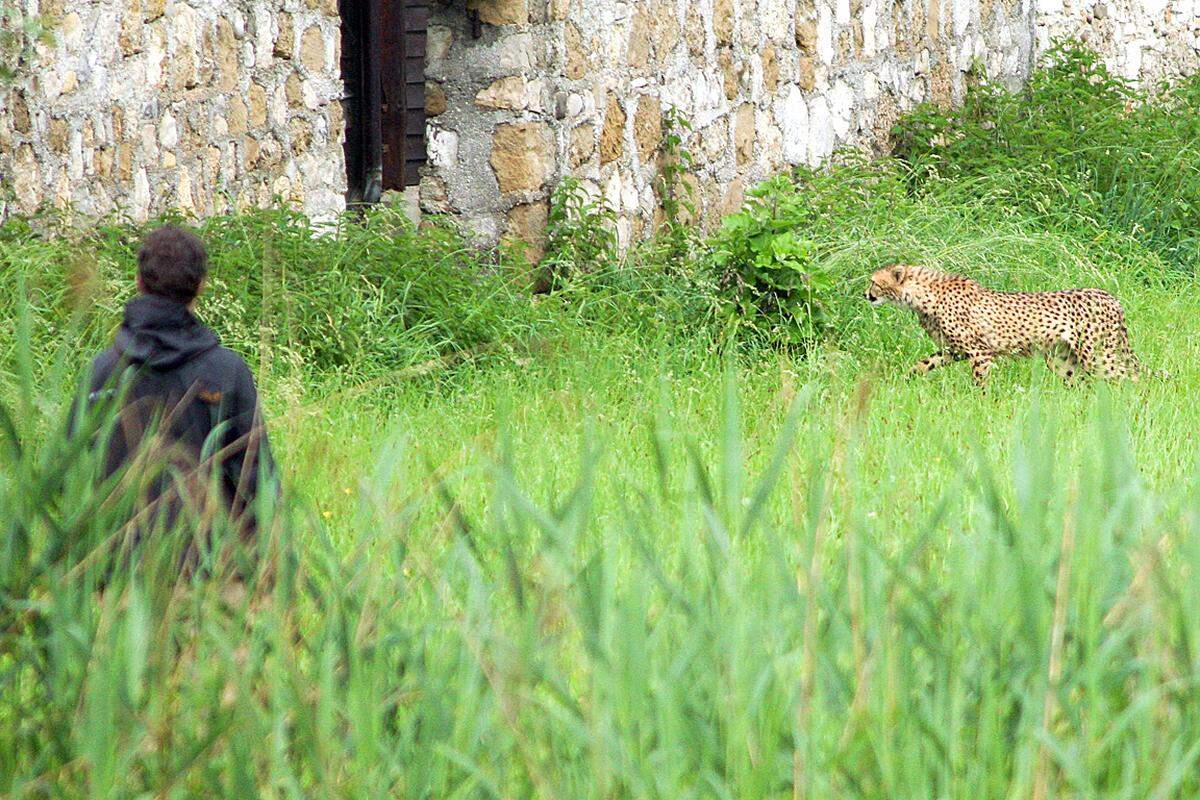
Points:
x=227 y=362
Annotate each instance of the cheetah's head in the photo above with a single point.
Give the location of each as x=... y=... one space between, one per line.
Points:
x=887 y=285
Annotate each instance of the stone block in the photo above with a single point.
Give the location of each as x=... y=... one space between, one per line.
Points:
x=743 y=134
x=501 y=12
x=723 y=22
x=285 y=40
x=527 y=224
x=583 y=145
x=522 y=156
x=612 y=135
x=509 y=93
x=647 y=128
x=312 y=50
x=435 y=100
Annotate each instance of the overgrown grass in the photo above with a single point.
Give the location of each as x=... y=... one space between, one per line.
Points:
x=610 y=551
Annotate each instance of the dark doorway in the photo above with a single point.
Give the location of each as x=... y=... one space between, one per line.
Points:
x=383 y=70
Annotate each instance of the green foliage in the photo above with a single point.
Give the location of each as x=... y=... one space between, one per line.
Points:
x=773 y=283
x=581 y=231
x=1131 y=158
x=676 y=195
x=361 y=299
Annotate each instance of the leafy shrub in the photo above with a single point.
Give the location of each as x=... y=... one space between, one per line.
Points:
x=773 y=285
x=1132 y=157
x=581 y=232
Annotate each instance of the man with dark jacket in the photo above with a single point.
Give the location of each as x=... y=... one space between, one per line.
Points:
x=188 y=411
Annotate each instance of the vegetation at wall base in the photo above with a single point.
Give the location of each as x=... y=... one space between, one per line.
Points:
x=678 y=527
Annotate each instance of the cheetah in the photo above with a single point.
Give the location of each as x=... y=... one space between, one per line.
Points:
x=1078 y=330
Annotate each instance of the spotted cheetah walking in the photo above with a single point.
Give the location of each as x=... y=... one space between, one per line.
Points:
x=1078 y=330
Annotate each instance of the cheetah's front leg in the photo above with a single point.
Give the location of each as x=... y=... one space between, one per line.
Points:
x=938 y=359
x=981 y=365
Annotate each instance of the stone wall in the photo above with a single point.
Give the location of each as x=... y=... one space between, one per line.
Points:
x=204 y=105
x=554 y=87
x=145 y=105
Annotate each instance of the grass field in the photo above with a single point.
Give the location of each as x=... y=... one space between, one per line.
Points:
x=605 y=549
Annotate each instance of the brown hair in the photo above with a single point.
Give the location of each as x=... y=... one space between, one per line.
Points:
x=172 y=264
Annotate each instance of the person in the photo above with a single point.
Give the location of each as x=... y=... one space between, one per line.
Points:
x=185 y=409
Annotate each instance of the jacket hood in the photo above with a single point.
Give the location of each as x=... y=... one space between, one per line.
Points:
x=161 y=333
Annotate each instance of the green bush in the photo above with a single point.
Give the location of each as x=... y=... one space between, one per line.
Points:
x=1130 y=156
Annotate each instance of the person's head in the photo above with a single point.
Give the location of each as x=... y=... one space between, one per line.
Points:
x=172 y=264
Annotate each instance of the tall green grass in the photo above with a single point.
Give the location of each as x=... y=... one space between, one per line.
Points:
x=587 y=545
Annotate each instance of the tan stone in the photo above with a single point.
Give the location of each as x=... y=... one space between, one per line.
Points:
x=435 y=100
x=435 y=199
x=734 y=197
x=236 y=115
x=743 y=134
x=285 y=42
x=302 y=135
x=770 y=70
x=723 y=22
x=103 y=162
x=583 y=145
x=728 y=73
x=806 y=75
x=638 y=54
x=251 y=150
x=577 y=59
x=129 y=38
x=182 y=67
x=20 y=113
x=933 y=20
x=70 y=82
x=312 y=49
x=806 y=36
x=155 y=9
x=294 y=90
x=941 y=84
x=501 y=12
x=258 y=106
x=612 y=135
x=125 y=162
x=666 y=28
x=558 y=10
x=522 y=156
x=647 y=127
x=59 y=133
x=507 y=93
x=527 y=224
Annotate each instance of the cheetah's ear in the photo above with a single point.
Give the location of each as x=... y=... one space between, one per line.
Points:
x=897 y=274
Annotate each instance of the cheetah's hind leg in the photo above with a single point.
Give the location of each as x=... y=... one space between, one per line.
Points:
x=1062 y=359
x=938 y=359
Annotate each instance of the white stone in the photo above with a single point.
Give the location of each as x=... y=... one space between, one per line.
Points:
x=843 y=12
x=264 y=35
x=443 y=148
x=841 y=108
x=821 y=135
x=869 y=21
x=309 y=93
x=962 y=16
x=141 y=195
x=168 y=132
x=792 y=117
x=824 y=35
x=870 y=86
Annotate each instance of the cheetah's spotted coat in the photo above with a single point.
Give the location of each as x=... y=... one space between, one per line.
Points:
x=1077 y=330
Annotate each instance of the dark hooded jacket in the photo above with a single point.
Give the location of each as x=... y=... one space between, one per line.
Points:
x=170 y=373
